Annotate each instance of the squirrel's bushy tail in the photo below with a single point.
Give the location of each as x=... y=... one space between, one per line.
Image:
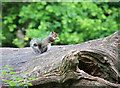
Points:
x=35 y=45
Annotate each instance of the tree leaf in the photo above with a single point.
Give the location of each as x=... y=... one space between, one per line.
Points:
x=30 y=84
x=4 y=67
x=5 y=80
x=13 y=84
x=31 y=78
x=12 y=72
x=19 y=79
x=20 y=84
x=11 y=69
x=3 y=73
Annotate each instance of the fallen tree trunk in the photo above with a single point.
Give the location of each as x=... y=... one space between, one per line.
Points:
x=92 y=63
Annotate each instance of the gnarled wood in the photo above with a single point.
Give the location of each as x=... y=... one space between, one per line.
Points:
x=95 y=63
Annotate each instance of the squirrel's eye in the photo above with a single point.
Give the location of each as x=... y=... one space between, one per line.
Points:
x=35 y=44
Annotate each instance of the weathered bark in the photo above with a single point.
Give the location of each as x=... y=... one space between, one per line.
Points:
x=92 y=63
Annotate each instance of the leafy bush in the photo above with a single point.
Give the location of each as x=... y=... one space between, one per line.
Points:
x=75 y=22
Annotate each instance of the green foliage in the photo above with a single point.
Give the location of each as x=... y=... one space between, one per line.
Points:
x=14 y=79
x=75 y=22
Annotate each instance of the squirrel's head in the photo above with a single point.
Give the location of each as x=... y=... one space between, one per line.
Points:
x=54 y=35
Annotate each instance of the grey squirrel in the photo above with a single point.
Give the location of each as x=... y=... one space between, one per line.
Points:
x=44 y=45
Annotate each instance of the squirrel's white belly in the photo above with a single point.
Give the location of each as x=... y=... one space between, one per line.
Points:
x=49 y=46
